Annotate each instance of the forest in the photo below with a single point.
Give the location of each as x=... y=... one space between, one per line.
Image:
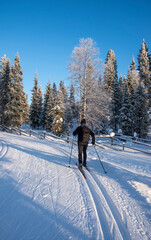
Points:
x=96 y=93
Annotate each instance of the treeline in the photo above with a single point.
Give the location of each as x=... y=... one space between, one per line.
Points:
x=95 y=94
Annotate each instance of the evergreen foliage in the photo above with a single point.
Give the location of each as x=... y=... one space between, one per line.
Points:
x=112 y=86
x=116 y=105
x=141 y=121
x=58 y=112
x=126 y=114
x=40 y=103
x=4 y=88
x=16 y=110
x=110 y=72
x=48 y=105
x=143 y=65
x=122 y=102
x=35 y=107
x=54 y=91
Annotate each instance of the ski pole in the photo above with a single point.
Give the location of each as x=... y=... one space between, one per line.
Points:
x=100 y=160
x=71 y=152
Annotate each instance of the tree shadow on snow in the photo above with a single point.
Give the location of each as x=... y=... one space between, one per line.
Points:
x=22 y=218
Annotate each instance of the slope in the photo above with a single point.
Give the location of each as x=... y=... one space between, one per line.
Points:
x=41 y=198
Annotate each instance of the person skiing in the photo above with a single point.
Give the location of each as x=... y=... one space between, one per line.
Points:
x=83 y=139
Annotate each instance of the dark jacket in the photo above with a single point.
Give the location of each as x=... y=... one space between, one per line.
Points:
x=84 y=134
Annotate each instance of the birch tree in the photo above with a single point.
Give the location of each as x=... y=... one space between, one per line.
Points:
x=84 y=70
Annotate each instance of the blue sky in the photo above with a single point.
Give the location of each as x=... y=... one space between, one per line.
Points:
x=44 y=33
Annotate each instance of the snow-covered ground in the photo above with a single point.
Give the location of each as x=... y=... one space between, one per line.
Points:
x=42 y=198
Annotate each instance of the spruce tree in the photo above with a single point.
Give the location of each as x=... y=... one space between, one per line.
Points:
x=110 y=72
x=141 y=120
x=112 y=86
x=40 y=103
x=34 y=107
x=58 y=112
x=54 y=91
x=4 y=88
x=121 y=84
x=126 y=114
x=134 y=75
x=16 y=109
x=49 y=119
x=72 y=103
x=64 y=98
x=64 y=91
x=116 y=99
x=144 y=65
x=71 y=111
x=48 y=105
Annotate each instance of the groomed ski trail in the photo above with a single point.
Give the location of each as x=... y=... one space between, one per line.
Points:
x=42 y=198
x=110 y=219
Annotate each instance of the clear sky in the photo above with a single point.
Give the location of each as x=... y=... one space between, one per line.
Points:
x=44 y=33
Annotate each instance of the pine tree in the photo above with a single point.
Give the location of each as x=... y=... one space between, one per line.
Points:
x=34 y=107
x=141 y=121
x=16 y=109
x=58 y=110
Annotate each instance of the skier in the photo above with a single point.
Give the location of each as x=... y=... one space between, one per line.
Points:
x=83 y=138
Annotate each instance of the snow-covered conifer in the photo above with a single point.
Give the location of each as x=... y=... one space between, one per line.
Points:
x=116 y=100
x=64 y=91
x=144 y=65
x=40 y=100
x=4 y=88
x=58 y=110
x=17 y=107
x=34 y=107
x=110 y=72
x=141 y=120
x=48 y=106
x=54 y=91
x=126 y=114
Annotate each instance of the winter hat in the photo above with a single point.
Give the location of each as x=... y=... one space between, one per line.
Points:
x=83 y=121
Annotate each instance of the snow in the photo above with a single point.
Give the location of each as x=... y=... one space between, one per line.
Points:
x=42 y=198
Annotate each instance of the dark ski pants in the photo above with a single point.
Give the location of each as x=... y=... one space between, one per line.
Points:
x=82 y=148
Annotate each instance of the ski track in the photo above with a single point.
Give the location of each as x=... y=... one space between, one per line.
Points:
x=44 y=177
x=111 y=222
x=3 y=148
x=99 y=226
